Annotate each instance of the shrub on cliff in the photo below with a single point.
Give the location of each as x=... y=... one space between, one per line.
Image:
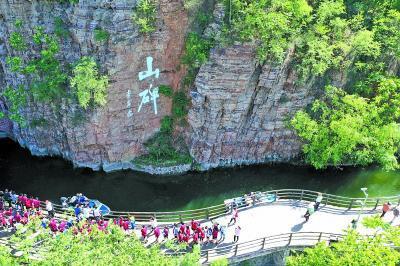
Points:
x=145 y=16
x=88 y=84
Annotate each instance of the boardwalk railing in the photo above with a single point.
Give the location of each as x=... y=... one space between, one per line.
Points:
x=258 y=198
x=269 y=243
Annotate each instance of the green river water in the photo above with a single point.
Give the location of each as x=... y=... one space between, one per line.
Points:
x=51 y=178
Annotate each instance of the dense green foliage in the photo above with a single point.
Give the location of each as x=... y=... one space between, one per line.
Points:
x=355 y=249
x=357 y=124
x=89 y=85
x=165 y=148
x=60 y=29
x=347 y=128
x=326 y=34
x=101 y=35
x=197 y=49
x=145 y=16
x=45 y=77
x=98 y=247
x=17 y=99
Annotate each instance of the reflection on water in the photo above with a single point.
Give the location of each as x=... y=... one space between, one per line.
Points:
x=51 y=178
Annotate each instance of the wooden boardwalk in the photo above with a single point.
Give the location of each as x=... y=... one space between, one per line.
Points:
x=270 y=221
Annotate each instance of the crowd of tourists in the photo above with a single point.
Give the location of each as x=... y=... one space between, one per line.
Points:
x=190 y=233
x=16 y=210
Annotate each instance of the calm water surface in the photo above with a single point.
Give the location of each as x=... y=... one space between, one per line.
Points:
x=51 y=178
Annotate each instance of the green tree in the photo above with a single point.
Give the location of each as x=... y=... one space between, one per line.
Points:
x=344 y=128
x=88 y=84
x=113 y=247
x=354 y=249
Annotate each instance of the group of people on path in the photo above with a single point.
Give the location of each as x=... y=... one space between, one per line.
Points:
x=16 y=210
x=190 y=233
x=387 y=206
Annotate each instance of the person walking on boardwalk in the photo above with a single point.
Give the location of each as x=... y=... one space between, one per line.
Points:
x=310 y=210
x=318 y=201
x=215 y=233
x=385 y=208
x=235 y=216
x=222 y=230
x=175 y=231
x=143 y=231
x=237 y=234
x=49 y=209
x=396 y=213
x=165 y=233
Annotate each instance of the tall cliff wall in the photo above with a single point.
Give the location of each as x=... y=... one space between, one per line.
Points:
x=238 y=107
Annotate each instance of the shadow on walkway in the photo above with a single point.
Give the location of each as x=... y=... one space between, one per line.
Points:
x=297 y=227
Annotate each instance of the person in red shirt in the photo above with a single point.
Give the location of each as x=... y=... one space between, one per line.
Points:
x=143 y=231
x=36 y=203
x=201 y=233
x=195 y=238
x=17 y=217
x=157 y=233
x=180 y=237
x=125 y=225
x=8 y=212
x=187 y=230
x=215 y=233
x=186 y=238
x=182 y=228
x=28 y=203
x=385 y=208
x=194 y=224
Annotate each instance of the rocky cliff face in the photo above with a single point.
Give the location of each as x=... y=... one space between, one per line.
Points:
x=112 y=136
x=238 y=109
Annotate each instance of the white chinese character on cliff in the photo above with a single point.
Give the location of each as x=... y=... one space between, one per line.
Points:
x=149 y=72
x=128 y=104
x=149 y=95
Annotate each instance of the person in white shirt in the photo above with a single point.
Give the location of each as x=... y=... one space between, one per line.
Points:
x=318 y=201
x=237 y=234
x=49 y=208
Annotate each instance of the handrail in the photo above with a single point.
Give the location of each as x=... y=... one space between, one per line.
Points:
x=286 y=240
x=223 y=209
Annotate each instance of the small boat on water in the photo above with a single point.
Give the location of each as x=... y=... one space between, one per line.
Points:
x=79 y=199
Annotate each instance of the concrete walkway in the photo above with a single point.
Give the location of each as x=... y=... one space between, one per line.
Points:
x=286 y=216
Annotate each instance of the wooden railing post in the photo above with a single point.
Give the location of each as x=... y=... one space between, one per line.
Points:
x=376 y=205
x=351 y=204
x=398 y=203
x=301 y=196
x=208 y=214
x=320 y=236
x=290 y=239
x=207 y=255
x=263 y=244
x=327 y=200
x=236 y=249
x=180 y=217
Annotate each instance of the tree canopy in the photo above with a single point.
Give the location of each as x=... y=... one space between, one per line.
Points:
x=355 y=249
